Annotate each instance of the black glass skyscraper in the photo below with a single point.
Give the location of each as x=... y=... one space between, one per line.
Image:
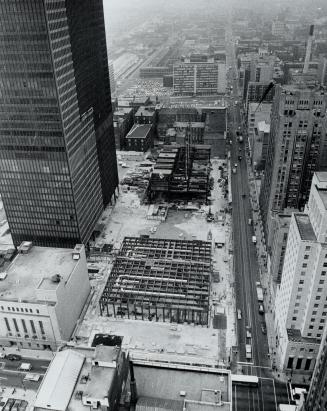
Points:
x=58 y=165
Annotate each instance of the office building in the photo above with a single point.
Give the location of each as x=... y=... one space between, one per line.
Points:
x=199 y=78
x=37 y=291
x=322 y=71
x=297 y=147
x=300 y=305
x=317 y=396
x=57 y=149
x=278 y=28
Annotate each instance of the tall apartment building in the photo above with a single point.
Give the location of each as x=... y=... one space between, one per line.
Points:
x=199 y=78
x=297 y=147
x=301 y=300
x=317 y=396
x=58 y=165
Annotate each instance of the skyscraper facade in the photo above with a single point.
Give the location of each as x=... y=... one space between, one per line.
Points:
x=317 y=396
x=301 y=299
x=58 y=165
x=297 y=147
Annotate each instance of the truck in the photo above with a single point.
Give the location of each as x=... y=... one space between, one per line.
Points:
x=248 y=351
x=254 y=239
x=259 y=294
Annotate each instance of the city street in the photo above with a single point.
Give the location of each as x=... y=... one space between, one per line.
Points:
x=246 y=271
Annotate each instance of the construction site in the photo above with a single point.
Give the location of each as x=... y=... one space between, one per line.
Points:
x=161 y=280
x=181 y=171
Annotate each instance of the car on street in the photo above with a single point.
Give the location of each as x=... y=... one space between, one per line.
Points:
x=25 y=366
x=263 y=328
x=32 y=377
x=235 y=165
x=239 y=314
x=261 y=309
x=243 y=195
x=14 y=357
x=240 y=158
x=9 y=404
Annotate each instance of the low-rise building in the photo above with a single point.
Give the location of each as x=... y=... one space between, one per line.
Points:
x=80 y=378
x=123 y=122
x=146 y=115
x=257 y=142
x=260 y=144
x=36 y=295
x=140 y=137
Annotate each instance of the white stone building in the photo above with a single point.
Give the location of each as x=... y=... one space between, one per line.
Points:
x=42 y=295
x=301 y=300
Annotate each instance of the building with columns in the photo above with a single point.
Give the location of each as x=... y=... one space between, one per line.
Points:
x=42 y=295
x=301 y=299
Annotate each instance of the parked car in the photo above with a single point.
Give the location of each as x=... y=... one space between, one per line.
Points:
x=263 y=328
x=239 y=314
x=2 y=355
x=16 y=406
x=32 y=377
x=261 y=309
x=9 y=404
x=14 y=357
x=25 y=366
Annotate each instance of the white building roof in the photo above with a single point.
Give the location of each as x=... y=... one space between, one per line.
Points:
x=59 y=382
x=263 y=126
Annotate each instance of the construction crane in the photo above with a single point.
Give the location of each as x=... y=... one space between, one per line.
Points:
x=271 y=85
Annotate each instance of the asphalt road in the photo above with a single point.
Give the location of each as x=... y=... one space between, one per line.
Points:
x=10 y=375
x=269 y=393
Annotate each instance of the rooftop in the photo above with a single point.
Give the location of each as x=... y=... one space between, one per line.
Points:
x=296 y=336
x=122 y=111
x=107 y=354
x=321 y=176
x=305 y=227
x=264 y=107
x=264 y=127
x=323 y=195
x=59 y=381
x=139 y=131
x=192 y=124
x=167 y=384
x=145 y=111
x=34 y=270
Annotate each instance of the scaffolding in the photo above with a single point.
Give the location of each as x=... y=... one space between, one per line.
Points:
x=182 y=171
x=161 y=280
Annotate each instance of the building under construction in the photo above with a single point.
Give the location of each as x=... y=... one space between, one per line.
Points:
x=161 y=280
x=182 y=171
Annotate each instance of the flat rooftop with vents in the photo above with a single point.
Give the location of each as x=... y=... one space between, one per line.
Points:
x=36 y=268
